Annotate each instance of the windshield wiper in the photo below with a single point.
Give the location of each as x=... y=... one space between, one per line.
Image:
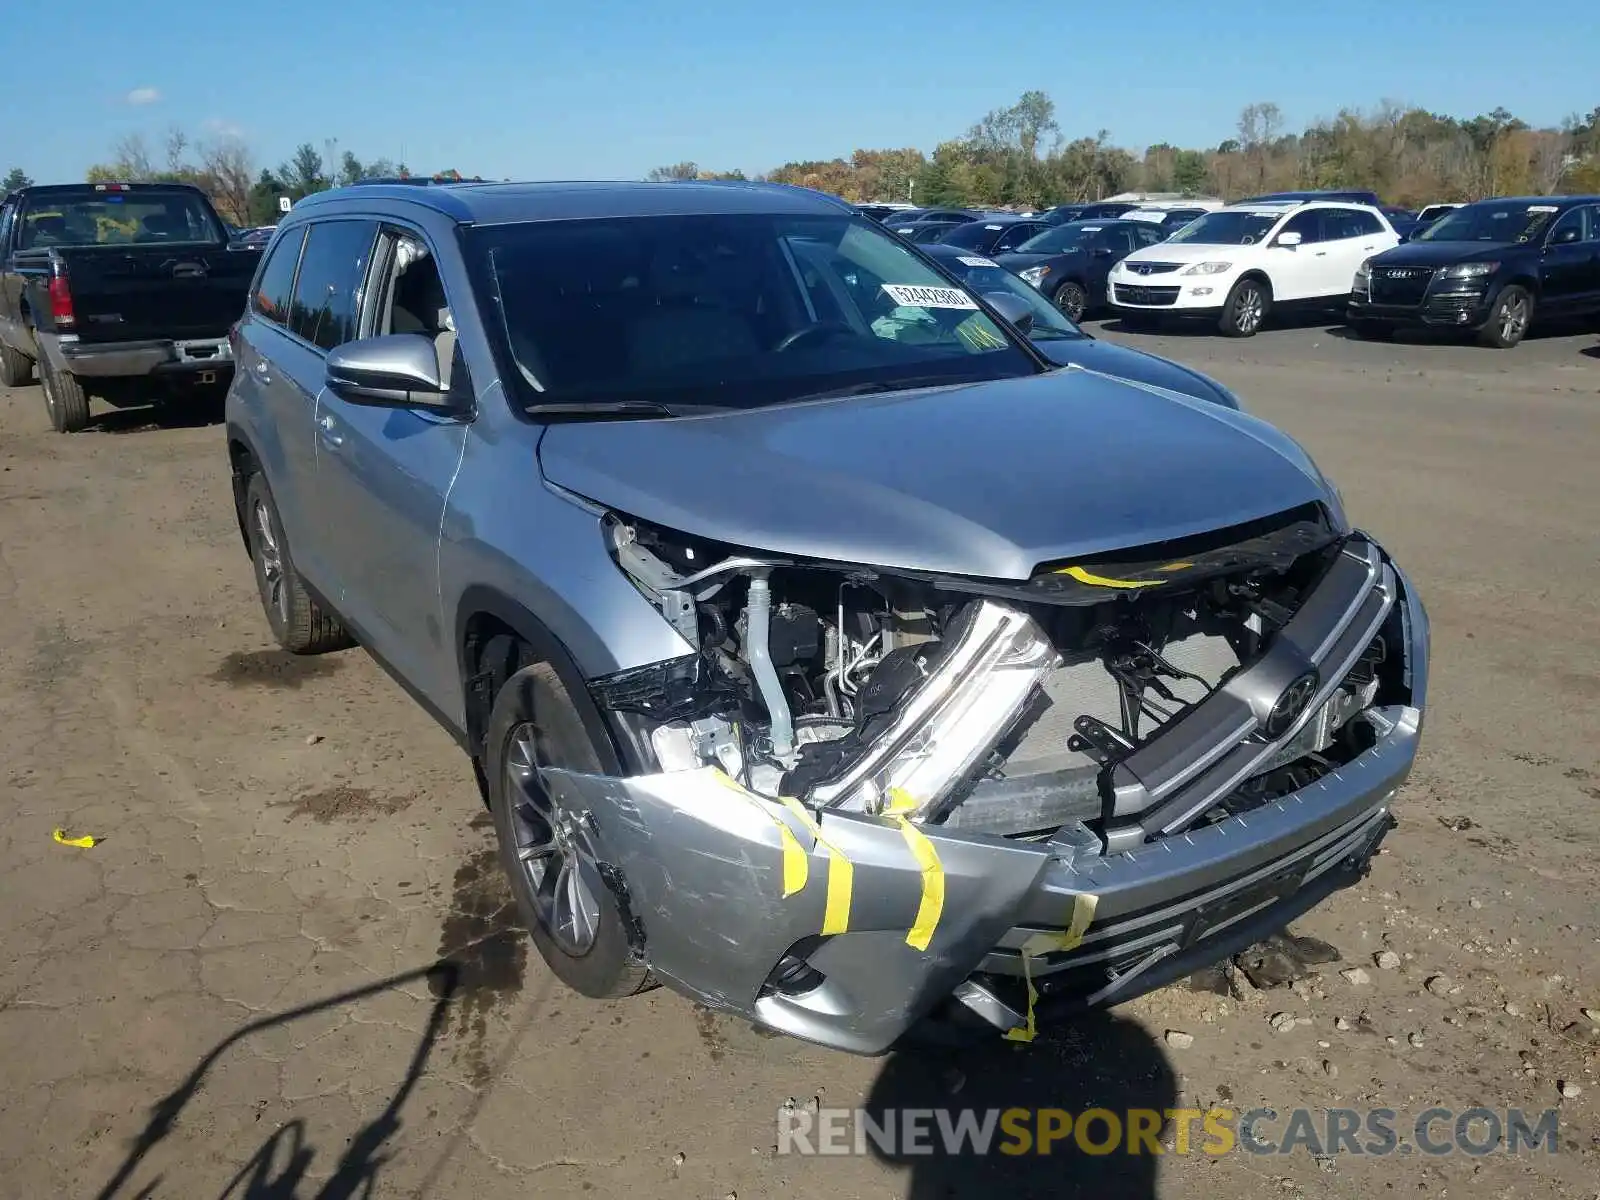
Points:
x=892 y=385
x=599 y=409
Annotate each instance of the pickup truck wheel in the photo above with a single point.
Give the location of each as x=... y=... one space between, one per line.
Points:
x=299 y=623
x=549 y=851
x=65 y=398
x=15 y=367
x=1245 y=308
x=1513 y=313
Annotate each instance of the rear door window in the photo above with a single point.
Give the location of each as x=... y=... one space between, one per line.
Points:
x=275 y=283
x=327 y=294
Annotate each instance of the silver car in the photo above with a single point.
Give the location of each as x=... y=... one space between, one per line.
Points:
x=822 y=651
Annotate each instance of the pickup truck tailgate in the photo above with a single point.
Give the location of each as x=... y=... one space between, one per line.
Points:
x=129 y=293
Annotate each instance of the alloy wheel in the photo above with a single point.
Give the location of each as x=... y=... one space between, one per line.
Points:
x=554 y=850
x=269 y=561
x=1513 y=318
x=1249 y=310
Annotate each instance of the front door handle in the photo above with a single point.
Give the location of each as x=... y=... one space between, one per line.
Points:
x=328 y=430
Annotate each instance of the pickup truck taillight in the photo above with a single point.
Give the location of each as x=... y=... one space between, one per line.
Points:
x=61 y=302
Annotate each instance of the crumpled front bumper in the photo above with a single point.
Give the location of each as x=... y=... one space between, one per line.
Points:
x=722 y=884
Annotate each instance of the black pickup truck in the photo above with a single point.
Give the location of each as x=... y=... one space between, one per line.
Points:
x=121 y=291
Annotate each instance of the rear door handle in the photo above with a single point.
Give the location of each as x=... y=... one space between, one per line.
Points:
x=328 y=430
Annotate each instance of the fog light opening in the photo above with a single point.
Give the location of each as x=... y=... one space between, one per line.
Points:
x=794 y=975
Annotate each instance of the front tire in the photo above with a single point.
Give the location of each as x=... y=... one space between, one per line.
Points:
x=1245 y=309
x=548 y=850
x=1513 y=314
x=1072 y=300
x=16 y=368
x=299 y=624
x=65 y=398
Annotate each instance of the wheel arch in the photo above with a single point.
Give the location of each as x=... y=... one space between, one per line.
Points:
x=1258 y=275
x=484 y=613
x=243 y=462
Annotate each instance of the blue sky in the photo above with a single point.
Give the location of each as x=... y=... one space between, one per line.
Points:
x=609 y=88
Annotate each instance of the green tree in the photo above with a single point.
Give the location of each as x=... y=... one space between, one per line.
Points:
x=304 y=173
x=15 y=178
x=1188 y=171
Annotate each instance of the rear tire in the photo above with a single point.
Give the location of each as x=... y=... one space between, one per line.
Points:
x=16 y=368
x=1245 y=309
x=1508 y=324
x=65 y=398
x=299 y=624
x=534 y=725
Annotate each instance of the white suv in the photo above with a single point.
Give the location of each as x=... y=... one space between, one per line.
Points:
x=1238 y=263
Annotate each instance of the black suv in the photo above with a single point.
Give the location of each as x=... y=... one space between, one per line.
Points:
x=1487 y=267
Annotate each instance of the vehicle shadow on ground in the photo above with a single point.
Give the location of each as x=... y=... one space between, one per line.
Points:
x=146 y=417
x=1098 y=1061
x=1548 y=329
x=279 y=1166
x=1591 y=351
x=1175 y=327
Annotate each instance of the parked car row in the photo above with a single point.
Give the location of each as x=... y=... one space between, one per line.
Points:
x=1488 y=268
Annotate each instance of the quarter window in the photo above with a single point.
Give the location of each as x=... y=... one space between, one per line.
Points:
x=327 y=293
x=275 y=283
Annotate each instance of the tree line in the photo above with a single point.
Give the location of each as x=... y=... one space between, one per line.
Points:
x=1409 y=156
x=1015 y=156
x=225 y=169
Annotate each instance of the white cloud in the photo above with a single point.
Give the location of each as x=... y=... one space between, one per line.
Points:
x=221 y=128
x=142 y=95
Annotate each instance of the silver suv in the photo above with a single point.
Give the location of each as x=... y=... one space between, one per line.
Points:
x=823 y=652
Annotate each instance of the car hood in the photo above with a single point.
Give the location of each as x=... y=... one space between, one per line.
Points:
x=1016 y=262
x=1443 y=254
x=1125 y=363
x=988 y=479
x=1189 y=252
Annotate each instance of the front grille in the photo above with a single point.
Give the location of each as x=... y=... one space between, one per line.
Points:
x=1132 y=294
x=1151 y=268
x=1400 y=285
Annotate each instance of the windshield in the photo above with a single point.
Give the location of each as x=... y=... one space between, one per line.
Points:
x=95 y=218
x=1227 y=229
x=1493 y=221
x=1059 y=240
x=729 y=311
x=983 y=276
x=973 y=233
x=1434 y=211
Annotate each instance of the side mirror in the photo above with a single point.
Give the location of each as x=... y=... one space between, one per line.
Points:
x=1291 y=240
x=1013 y=308
x=400 y=370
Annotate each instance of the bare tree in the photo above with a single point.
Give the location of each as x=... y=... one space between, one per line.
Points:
x=1549 y=158
x=177 y=141
x=228 y=175
x=1258 y=129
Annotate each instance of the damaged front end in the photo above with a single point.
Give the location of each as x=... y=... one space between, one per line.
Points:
x=882 y=797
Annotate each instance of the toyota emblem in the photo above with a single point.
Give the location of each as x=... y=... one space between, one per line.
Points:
x=1294 y=701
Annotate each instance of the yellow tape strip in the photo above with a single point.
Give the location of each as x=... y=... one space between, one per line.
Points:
x=1083 y=576
x=931 y=907
x=796 y=863
x=1044 y=942
x=83 y=843
x=841 y=873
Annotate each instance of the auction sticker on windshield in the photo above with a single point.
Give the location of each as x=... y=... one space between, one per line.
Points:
x=973 y=260
x=914 y=296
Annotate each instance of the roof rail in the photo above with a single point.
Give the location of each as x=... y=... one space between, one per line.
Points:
x=420 y=180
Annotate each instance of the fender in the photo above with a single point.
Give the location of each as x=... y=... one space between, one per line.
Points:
x=620 y=748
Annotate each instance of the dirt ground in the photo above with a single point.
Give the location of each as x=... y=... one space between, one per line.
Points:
x=288 y=972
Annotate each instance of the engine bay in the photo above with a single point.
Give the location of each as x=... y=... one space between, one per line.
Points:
x=991 y=706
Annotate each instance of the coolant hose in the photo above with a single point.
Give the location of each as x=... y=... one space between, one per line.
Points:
x=758 y=627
